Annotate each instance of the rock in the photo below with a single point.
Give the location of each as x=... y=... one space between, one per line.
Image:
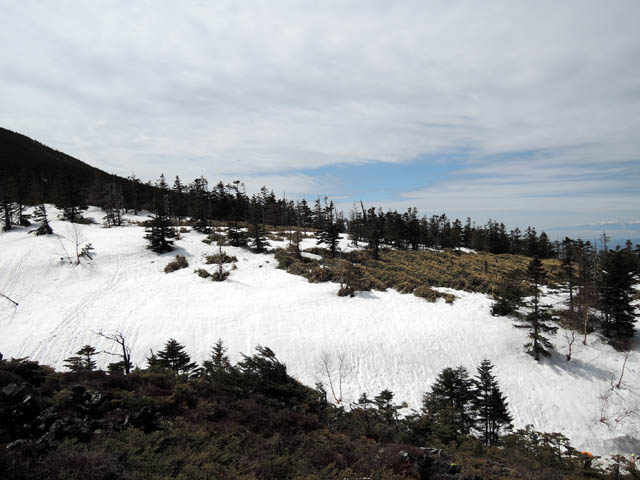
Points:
x=46 y=419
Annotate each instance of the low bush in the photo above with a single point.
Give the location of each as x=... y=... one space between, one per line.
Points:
x=413 y=271
x=219 y=276
x=202 y=273
x=219 y=258
x=176 y=264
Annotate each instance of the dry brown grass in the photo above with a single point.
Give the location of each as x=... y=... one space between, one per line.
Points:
x=416 y=272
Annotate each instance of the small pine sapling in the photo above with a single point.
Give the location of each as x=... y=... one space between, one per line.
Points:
x=40 y=215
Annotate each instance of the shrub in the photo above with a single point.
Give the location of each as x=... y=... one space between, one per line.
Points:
x=346 y=291
x=219 y=276
x=220 y=258
x=202 y=273
x=176 y=264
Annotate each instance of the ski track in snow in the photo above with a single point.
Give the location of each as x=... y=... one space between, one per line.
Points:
x=394 y=341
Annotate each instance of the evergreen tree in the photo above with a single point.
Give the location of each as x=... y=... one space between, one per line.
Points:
x=161 y=183
x=531 y=242
x=373 y=230
x=113 y=204
x=384 y=403
x=237 y=236
x=159 y=230
x=133 y=193
x=218 y=363
x=200 y=201
x=490 y=405
x=449 y=403
x=70 y=198
x=7 y=211
x=258 y=240
x=264 y=373
x=82 y=360
x=508 y=297
x=257 y=232
x=538 y=315
x=173 y=357
x=615 y=290
x=8 y=207
x=329 y=233
x=178 y=203
x=40 y=215
x=317 y=215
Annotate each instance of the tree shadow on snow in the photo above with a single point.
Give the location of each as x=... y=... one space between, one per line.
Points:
x=174 y=252
x=578 y=368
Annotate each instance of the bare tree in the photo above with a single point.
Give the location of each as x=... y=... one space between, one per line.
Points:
x=76 y=239
x=604 y=399
x=626 y=354
x=66 y=252
x=125 y=354
x=570 y=337
x=336 y=371
x=571 y=324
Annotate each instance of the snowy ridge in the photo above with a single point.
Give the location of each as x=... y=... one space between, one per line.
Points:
x=394 y=341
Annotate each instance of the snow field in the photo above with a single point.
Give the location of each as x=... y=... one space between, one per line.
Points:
x=391 y=340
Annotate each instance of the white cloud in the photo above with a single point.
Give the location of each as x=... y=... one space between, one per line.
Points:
x=228 y=89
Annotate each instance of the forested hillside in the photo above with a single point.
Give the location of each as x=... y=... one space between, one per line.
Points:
x=33 y=174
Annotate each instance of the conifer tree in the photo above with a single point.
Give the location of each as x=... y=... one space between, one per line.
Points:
x=200 y=199
x=448 y=403
x=178 y=199
x=615 y=290
x=113 y=204
x=237 y=236
x=82 y=360
x=257 y=232
x=490 y=405
x=133 y=193
x=329 y=233
x=70 y=198
x=159 y=230
x=173 y=357
x=218 y=363
x=538 y=316
x=40 y=215
x=373 y=230
x=508 y=297
x=384 y=403
x=7 y=211
x=8 y=207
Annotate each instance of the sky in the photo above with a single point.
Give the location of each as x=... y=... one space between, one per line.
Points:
x=526 y=112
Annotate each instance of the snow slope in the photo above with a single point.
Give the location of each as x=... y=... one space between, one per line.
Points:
x=394 y=341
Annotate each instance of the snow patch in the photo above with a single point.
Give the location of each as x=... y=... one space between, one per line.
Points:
x=394 y=341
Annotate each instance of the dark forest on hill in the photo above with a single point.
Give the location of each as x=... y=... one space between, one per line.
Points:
x=32 y=174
